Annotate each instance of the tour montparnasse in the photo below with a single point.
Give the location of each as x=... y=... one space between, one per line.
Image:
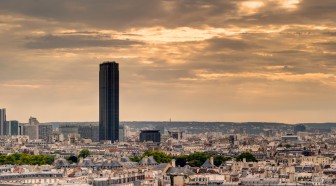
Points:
x=109 y=101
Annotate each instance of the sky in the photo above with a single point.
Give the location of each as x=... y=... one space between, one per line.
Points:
x=188 y=60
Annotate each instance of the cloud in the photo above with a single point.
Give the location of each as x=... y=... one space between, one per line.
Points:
x=329 y=46
x=217 y=43
x=116 y=15
x=125 y=14
x=214 y=59
x=76 y=41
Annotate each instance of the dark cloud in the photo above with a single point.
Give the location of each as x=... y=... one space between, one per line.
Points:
x=76 y=41
x=103 y=13
x=309 y=10
x=118 y=15
x=330 y=46
x=217 y=43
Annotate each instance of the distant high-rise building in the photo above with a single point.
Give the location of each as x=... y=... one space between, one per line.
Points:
x=21 y=126
x=12 y=128
x=89 y=132
x=44 y=130
x=109 y=101
x=31 y=131
x=33 y=121
x=6 y=129
x=2 y=121
x=150 y=135
x=126 y=132
x=34 y=130
x=121 y=133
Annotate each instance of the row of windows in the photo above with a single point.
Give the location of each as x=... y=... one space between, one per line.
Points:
x=30 y=176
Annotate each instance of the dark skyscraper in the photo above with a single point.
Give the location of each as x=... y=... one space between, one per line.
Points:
x=2 y=121
x=109 y=101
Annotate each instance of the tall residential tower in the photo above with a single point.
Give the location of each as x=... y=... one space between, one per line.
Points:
x=109 y=101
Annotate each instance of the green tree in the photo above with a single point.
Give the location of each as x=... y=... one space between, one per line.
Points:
x=49 y=160
x=26 y=159
x=249 y=157
x=197 y=159
x=181 y=160
x=84 y=153
x=72 y=159
x=2 y=159
x=219 y=159
x=135 y=158
x=9 y=160
x=159 y=156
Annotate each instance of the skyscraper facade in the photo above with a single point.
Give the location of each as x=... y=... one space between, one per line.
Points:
x=12 y=128
x=2 y=121
x=44 y=130
x=109 y=101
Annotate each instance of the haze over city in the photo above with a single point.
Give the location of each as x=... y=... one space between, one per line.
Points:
x=191 y=60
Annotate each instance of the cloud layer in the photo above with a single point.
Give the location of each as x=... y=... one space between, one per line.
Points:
x=261 y=60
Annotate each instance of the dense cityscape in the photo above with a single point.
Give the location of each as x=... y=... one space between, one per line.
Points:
x=167 y=93
x=110 y=152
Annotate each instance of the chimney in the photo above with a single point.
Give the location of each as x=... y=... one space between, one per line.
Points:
x=212 y=161
x=173 y=162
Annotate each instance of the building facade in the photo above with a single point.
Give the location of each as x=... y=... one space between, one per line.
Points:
x=89 y=132
x=44 y=131
x=109 y=101
x=150 y=135
x=31 y=131
x=66 y=130
x=121 y=133
x=12 y=128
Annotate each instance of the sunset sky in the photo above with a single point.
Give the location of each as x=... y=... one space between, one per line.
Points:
x=189 y=60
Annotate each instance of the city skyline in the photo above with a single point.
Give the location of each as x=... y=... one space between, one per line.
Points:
x=237 y=61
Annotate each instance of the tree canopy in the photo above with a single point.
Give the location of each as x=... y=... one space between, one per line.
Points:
x=219 y=159
x=158 y=156
x=195 y=159
x=84 y=153
x=249 y=157
x=26 y=159
x=198 y=158
x=72 y=159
